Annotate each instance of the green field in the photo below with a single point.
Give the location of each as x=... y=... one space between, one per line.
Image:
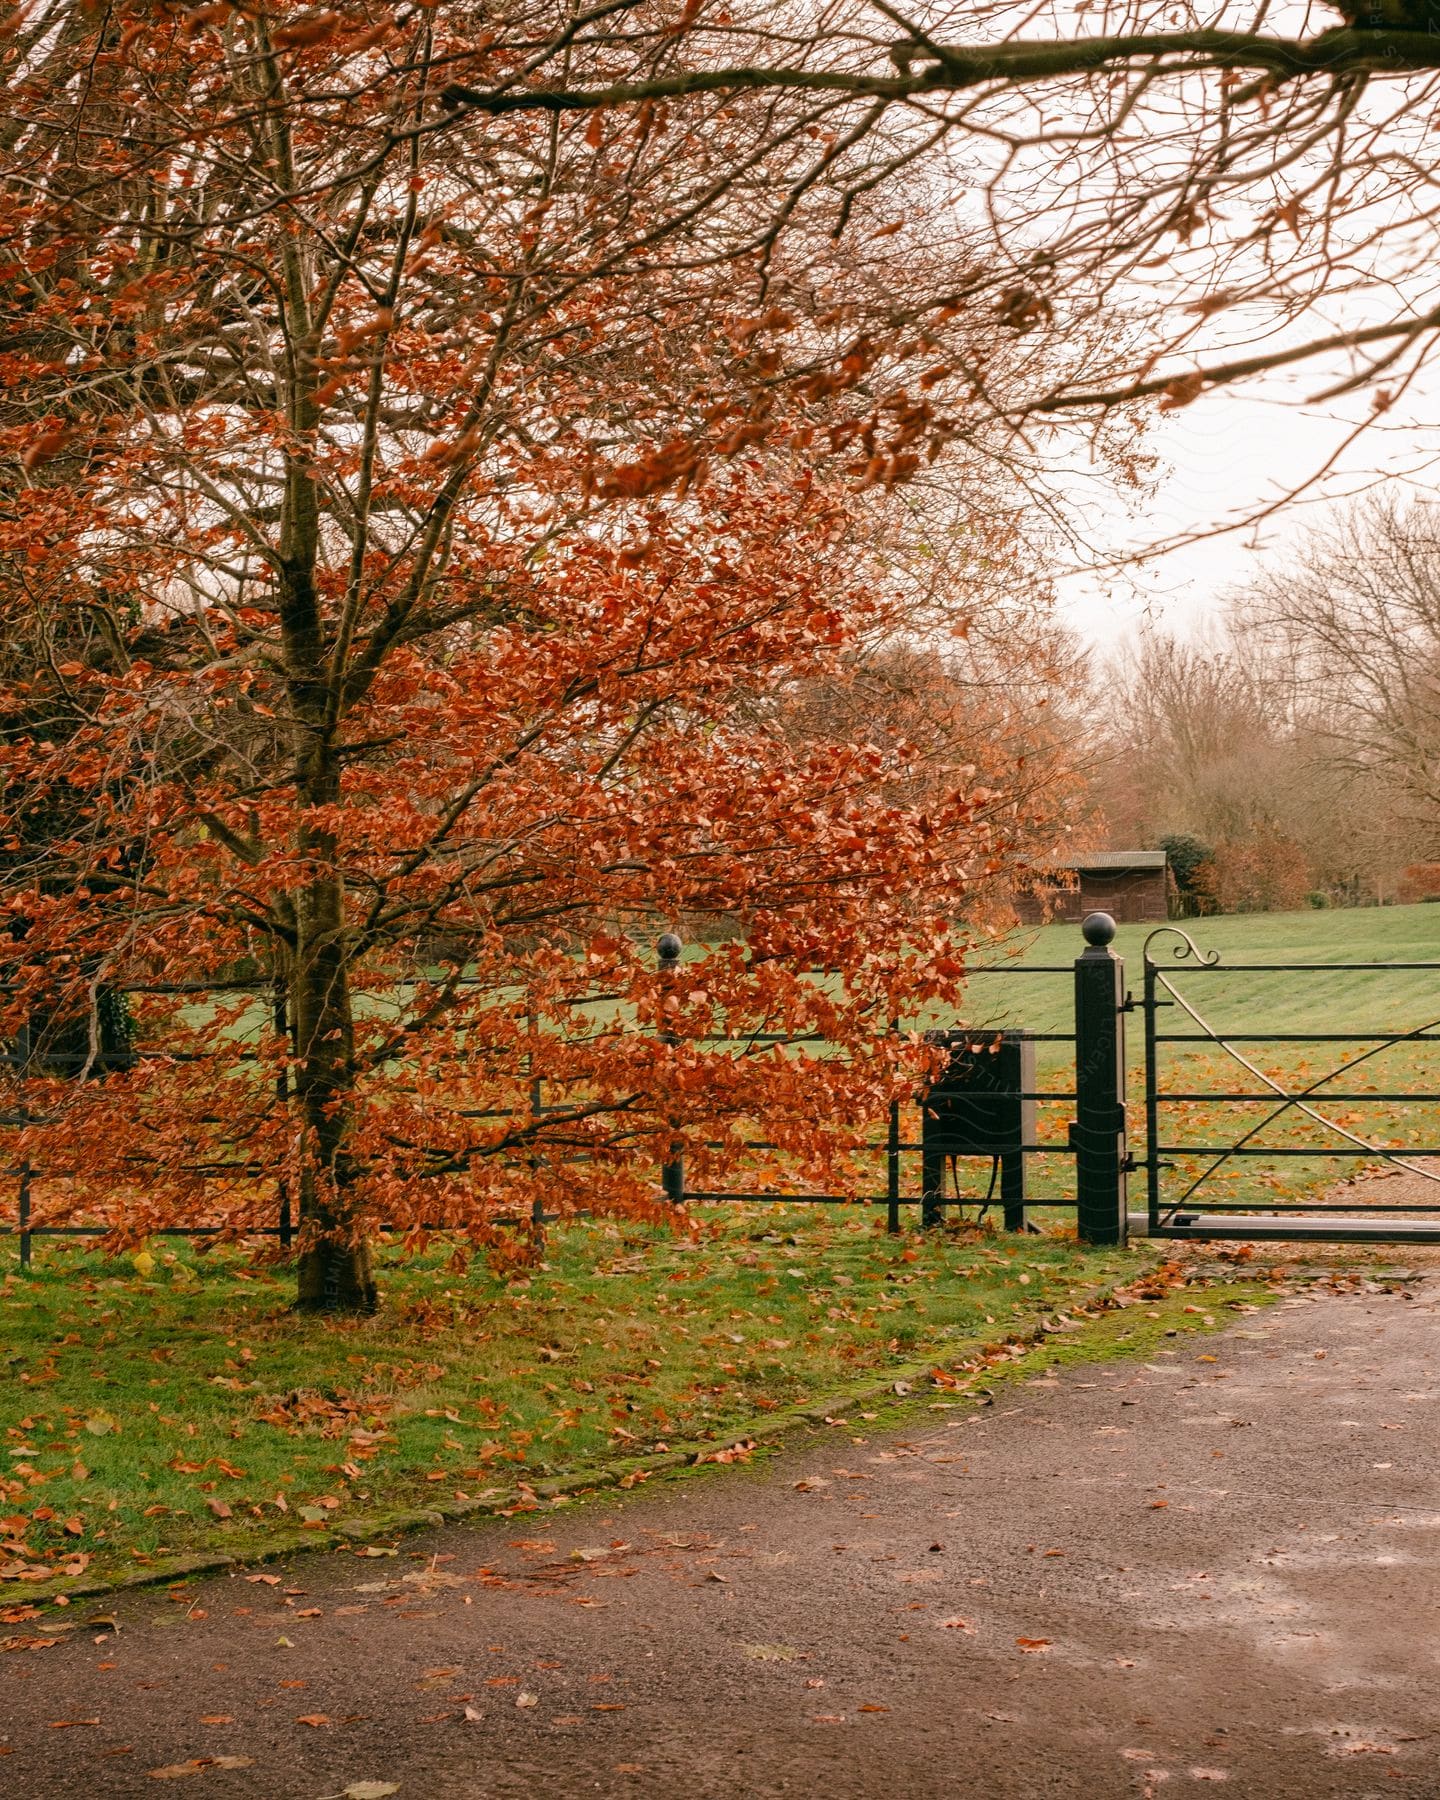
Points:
x=1229 y=999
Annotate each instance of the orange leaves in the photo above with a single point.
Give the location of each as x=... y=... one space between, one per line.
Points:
x=380 y=322
x=732 y=1453
x=675 y=464
x=201 y=16
x=742 y=436
x=888 y=471
x=45 y=448
x=304 y=32
x=1209 y=304
x=744 y=331
x=444 y=452
x=370 y=37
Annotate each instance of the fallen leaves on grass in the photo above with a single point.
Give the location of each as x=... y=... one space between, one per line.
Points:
x=732 y=1453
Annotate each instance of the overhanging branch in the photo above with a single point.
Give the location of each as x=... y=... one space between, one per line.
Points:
x=1340 y=52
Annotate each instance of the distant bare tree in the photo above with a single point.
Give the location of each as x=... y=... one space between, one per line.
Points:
x=1202 y=740
x=1356 y=618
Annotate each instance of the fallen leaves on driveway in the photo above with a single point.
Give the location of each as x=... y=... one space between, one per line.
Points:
x=198 y=1764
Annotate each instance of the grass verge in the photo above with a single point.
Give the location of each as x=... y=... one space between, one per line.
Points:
x=178 y=1408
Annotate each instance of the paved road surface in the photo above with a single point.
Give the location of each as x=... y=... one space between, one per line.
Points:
x=1192 y=1576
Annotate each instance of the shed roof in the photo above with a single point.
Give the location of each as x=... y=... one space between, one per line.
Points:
x=1087 y=862
x=1119 y=859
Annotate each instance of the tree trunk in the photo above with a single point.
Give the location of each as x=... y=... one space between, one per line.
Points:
x=335 y=1272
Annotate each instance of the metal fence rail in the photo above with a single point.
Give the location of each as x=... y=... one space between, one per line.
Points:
x=1102 y=1219
x=1097 y=1148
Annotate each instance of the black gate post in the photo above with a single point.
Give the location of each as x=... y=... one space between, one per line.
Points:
x=672 y=1170
x=25 y=1233
x=892 y=1155
x=1098 y=1134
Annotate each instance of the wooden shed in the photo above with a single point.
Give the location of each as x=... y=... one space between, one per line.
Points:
x=1131 y=885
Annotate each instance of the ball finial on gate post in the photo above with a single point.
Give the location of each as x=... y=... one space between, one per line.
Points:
x=669 y=949
x=1098 y=929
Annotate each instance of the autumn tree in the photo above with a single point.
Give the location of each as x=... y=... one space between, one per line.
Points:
x=983 y=680
x=1201 y=739
x=403 y=508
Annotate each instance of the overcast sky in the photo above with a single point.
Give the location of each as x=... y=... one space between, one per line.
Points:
x=1225 y=457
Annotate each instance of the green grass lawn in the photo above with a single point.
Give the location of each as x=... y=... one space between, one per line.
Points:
x=1230 y=1000
x=185 y=1408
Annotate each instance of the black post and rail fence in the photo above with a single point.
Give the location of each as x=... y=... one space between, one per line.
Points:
x=983 y=1109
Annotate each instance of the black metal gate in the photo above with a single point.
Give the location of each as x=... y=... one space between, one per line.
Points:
x=1294 y=1117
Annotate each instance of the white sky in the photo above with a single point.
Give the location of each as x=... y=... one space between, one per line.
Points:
x=1222 y=459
